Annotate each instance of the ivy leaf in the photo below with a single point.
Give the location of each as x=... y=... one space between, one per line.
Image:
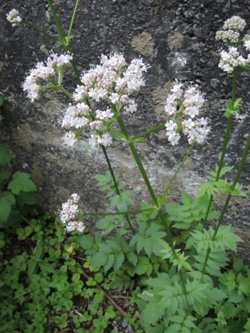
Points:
x=21 y=182
x=6 y=201
x=5 y=154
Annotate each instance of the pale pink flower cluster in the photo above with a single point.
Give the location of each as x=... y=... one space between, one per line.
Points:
x=34 y=82
x=13 y=17
x=230 y=36
x=234 y=23
x=112 y=82
x=69 y=214
x=184 y=107
x=233 y=58
x=230 y=33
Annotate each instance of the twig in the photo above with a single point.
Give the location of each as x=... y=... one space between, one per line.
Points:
x=27 y=221
x=108 y=297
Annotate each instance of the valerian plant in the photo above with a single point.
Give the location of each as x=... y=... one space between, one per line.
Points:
x=174 y=263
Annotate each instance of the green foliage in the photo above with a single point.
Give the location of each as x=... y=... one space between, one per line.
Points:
x=220 y=186
x=147 y=238
x=190 y=212
x=39 y=288
x=16 y=193
x=233 y=107
x=175 y=266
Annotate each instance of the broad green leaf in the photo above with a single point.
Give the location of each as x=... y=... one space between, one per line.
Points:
x=119 y=258
x=244 y=286
x=186 y=199
x=144 y=266
x=228 y=279
x=6 y=201
x=132 y=258
x=86 y=241
x=107 y=224
x=5 y=154
x=99 y=259
x=21 y=182
x=45 y=266
x=26 y=198
x=152 y=313
x=109 y=263
x=4 y=175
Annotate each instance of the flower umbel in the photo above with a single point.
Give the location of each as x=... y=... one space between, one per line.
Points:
x=70 y=214
x=184 y=106
x=110 y=83
x=13 y=17
x=236 y=55
x=43 y=72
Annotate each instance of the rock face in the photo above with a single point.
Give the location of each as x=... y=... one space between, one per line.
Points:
x=177 y=40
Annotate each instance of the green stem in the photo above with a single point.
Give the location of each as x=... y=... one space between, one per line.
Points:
x=243 y=159
x=229 y=125
x=116 y=185
x=64 y=40
x=161 y=201
x=72 y=19
x=153 y=196
x=110 y=169
x=43 y=32
x=118 y=213
x=77 y=74
x=137 y=160
x=65 y=91
x=56 y=21
x=149 y=131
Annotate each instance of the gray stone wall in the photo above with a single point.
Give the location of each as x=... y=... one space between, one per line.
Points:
x=177 y=40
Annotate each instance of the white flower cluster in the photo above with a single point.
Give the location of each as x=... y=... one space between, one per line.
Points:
x=70 y=214
x=13 y=17
x=111 y=82
x=33 y=83
x=184 y=107
x=230 y=35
